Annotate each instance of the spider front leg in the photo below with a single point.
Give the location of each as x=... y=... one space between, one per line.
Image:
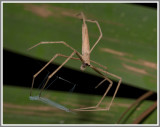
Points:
x=58 y=42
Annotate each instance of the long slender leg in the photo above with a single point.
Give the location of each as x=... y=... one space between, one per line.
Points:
x=96 y=108
x=59 y=42
x=119 y=82
x=99 y=64
x=54 y=57
x=74 y=58
x=90 y=108
x=51 y=75
x=35 y=75
x=56 y=42
x=105 y=78
x=100 y=36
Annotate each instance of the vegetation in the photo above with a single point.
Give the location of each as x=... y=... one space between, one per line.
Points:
x=128 y=49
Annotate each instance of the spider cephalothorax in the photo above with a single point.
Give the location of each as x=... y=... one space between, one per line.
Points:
x=83 y=66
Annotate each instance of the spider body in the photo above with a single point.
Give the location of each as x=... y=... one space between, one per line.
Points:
x=85 y=45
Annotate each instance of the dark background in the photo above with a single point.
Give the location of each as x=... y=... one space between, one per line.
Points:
x=150 y=5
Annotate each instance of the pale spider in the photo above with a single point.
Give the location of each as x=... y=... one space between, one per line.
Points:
x=86 y=62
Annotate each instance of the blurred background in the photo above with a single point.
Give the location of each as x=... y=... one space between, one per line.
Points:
x=128 y=49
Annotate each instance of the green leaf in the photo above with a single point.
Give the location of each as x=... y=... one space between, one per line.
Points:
x=18 y=109
x=128 y=47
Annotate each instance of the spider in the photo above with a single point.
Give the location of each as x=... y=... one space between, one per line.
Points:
x=86 y=62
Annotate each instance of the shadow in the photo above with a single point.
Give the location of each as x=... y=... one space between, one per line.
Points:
x=18 y=70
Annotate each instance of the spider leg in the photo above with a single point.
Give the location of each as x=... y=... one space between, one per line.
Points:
x=35 y=75
x=56 y=42
x=53 y=73
x=96 y=108
x=99 y=64
x=80 y=109
x=118 y=85
x=59 y=42
x=53 y=58
x=100 y=31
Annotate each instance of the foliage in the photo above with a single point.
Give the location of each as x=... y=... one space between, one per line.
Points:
x=18 y=109
x=128 y=47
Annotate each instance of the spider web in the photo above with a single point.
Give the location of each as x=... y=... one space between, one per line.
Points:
x=56 y=83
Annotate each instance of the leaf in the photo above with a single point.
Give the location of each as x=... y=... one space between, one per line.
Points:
x=18 y=109
x=128 y=47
